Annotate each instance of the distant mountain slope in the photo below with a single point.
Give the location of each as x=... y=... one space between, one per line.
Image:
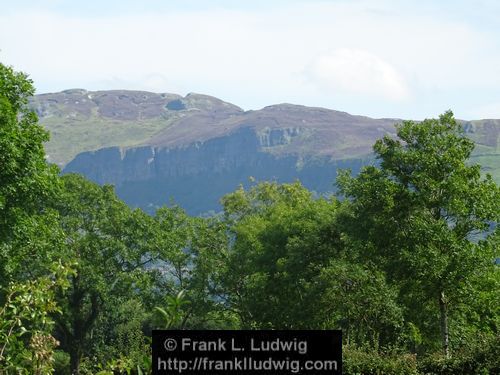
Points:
x=196 y=148
x=486 y=135
x=81 y=120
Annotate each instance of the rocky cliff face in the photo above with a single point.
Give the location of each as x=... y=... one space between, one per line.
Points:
x=196 y=176
x=196 y=148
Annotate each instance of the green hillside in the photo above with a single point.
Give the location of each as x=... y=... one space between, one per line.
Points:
x=81 y=121
x=486 y=134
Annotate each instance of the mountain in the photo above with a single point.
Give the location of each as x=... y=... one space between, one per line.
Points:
x=194 y=149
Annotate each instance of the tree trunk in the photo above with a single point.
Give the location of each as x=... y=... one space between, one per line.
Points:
x=74 y=360
x=443 y=312
x=348 y=332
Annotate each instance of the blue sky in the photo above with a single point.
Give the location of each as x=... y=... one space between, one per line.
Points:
x=380 y=58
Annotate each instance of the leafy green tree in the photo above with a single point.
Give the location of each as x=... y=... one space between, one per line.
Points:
x=280 y=242
x=192 y=255
x=270 y=272
x=27 y=182
x=120 y=335
x=110 y=244
x=25 y=177
x=289 y=267
x=357 y=299
x=423 y=215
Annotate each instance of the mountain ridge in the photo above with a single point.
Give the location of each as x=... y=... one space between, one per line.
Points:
x=169 y=120
x=196 y=148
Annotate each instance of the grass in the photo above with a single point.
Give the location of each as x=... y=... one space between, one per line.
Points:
x=69 y=137
x=74 y=132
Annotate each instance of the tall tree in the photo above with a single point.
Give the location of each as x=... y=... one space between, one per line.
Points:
x=424 y=213
x=110 y=243
x=25 y=178
x=281 y=239
x=27 y=182
x=288 y=266
x=191 y=258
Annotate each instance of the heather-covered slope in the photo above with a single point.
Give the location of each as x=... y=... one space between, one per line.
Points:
x=194 y=149
x=81 y=120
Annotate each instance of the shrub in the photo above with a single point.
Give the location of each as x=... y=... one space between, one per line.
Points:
x=61 y=363
x=371 y=362
x=478 y=358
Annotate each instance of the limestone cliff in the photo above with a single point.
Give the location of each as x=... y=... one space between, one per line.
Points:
x=196 y=176
x=195 y=148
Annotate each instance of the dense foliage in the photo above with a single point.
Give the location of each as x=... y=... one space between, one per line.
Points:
x=403 y=260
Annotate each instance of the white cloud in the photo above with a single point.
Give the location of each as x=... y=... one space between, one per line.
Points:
x=358 y=72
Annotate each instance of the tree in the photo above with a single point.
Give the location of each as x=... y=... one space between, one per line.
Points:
x=280 y=240
x=289 y=267
x=191 y=259
x=424 y=214
x=110 y=243
x=27 y=182
x=356 y=298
